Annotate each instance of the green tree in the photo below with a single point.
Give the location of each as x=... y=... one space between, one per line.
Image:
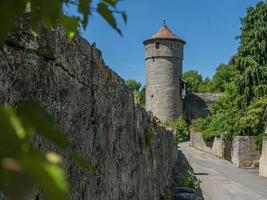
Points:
x=222 y=76
x=133 y=85
x=250 y=62
x=205 y=86
x=138 y=91
x=50 y=12
x=240 y=111
x=180 y=129
x=142 y=96
x=194 y=80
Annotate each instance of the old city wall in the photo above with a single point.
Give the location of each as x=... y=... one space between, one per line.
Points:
x=95 y=109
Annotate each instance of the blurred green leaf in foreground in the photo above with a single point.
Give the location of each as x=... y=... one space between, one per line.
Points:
x=52 y=12
x=23 y=167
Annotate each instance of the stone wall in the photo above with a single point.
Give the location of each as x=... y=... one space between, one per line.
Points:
x=241 y=151
x=263 y=158
x=209 y=98
x=196 y=104
x=244 y=153
x=215 y=146
x=96 y=110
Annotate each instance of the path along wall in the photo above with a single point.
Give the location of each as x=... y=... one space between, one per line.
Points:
x=96 y=110
x=241 y=151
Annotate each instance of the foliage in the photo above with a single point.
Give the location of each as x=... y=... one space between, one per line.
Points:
x=250 y=62
x=133 y=85
x=222 y=76
x=203 y=126
x=138 y=91
x=244 y=82
x=146 y=140
x=22 y=166
x=200 y=124
x=168 y=194
x=19 y=159
x=223 y=120
x=51 y=12
x=193 y=79
x=189 y=180
x=205 y=86
x=141 y=97
x=254 y=120
x=180 y=128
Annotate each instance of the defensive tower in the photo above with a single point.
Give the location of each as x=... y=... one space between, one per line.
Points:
x=164 y=56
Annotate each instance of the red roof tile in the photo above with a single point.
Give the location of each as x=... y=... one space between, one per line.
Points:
x=165 y=33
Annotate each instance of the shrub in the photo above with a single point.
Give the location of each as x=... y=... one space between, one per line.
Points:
x=199 y=124
x=189 y=180
x=180 y=128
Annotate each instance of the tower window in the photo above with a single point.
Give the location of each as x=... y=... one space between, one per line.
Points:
x=157 y=45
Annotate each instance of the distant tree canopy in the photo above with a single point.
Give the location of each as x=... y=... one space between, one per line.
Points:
x=194 y=79
x=244 y=82
x=222 y=76
x=196 y=83
x=250 y=62
x=133 y=85
x=139 y=94
x=51 y=12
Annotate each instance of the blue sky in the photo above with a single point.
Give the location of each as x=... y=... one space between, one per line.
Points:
x=209 y=28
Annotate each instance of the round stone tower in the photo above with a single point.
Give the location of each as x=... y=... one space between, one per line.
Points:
x=164 y=56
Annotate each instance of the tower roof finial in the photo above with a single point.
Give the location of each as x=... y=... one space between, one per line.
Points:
x=164 y=21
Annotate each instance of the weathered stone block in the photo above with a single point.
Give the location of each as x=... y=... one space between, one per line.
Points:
x=217 y=146
x=263 y=158
x=244 y=152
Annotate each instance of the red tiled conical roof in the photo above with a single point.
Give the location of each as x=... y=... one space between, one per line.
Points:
x=164 y=33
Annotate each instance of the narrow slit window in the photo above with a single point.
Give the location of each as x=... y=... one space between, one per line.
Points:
x=157 y=45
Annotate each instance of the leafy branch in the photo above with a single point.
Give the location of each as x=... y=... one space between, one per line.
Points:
x=22 y=166
x=51 y=12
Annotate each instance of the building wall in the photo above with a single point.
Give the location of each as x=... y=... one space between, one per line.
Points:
x=164 y=70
